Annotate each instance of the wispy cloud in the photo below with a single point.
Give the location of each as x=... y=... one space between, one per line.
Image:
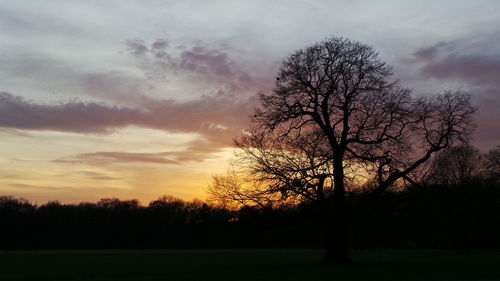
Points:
x=121 y=157
x=98 y=176
x=195 y=152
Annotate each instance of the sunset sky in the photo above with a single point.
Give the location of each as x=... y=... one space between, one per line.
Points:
x=136 y=99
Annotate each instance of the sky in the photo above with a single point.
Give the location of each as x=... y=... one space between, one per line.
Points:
x=136 y=99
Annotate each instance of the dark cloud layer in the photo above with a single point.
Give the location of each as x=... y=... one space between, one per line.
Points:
x=217 y=118
x=18 y=113
x=208 y=113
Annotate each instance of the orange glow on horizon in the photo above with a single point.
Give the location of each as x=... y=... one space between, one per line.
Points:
x=51 y=170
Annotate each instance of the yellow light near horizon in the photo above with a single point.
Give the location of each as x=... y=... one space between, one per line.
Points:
x=29 y=170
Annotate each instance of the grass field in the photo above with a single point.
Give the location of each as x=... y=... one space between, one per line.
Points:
x=249 y=265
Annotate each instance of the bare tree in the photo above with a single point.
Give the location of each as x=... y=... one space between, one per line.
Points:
x=492 y=165
x=455 y=165
x=268 y=171
x=233 y=190
x=333 y=118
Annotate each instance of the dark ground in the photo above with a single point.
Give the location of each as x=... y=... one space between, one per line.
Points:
x=248 y=265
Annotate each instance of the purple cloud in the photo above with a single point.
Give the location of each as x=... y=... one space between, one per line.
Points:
x=217 y=118
x=480 y=71
x=452 y=61
x=429 y=53
x=137 y=47
x=200 y=63
x=18 y=113
x=208 y=113
x=476 y=70
x=159 y=44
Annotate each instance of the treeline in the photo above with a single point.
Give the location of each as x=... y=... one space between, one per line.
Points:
x=452 y=202
x=461 y=217
x=166 y=223
x=430 y=216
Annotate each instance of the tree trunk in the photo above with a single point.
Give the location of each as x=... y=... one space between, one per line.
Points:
x=335 y=220
x=334 y=224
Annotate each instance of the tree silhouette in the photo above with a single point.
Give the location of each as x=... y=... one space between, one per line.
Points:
x=492 y=165
x=334 y=120
x=456 y=165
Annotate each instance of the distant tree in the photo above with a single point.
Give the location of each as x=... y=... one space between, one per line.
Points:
x=115 y=203
x=335 y=118
x=167 y=202
x=11 y=203
x=492 y=165
x=455 y=165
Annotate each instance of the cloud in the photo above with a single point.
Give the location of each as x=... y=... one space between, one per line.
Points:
x=18 y=113
x=44 y=76
x=477 y=72
x=137 y=47
x=225 y=93
x=29 y=25
x=199 y=63
x=159 y=44
x=209 y=62
x=13 y=132
x=461 y=60
x=196 y=151
x=429 y=53
x=121 y=157
x=97 y=175
x=217 y=119
x=208 y=115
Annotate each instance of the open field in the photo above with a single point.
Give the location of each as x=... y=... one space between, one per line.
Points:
x=249 y=265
